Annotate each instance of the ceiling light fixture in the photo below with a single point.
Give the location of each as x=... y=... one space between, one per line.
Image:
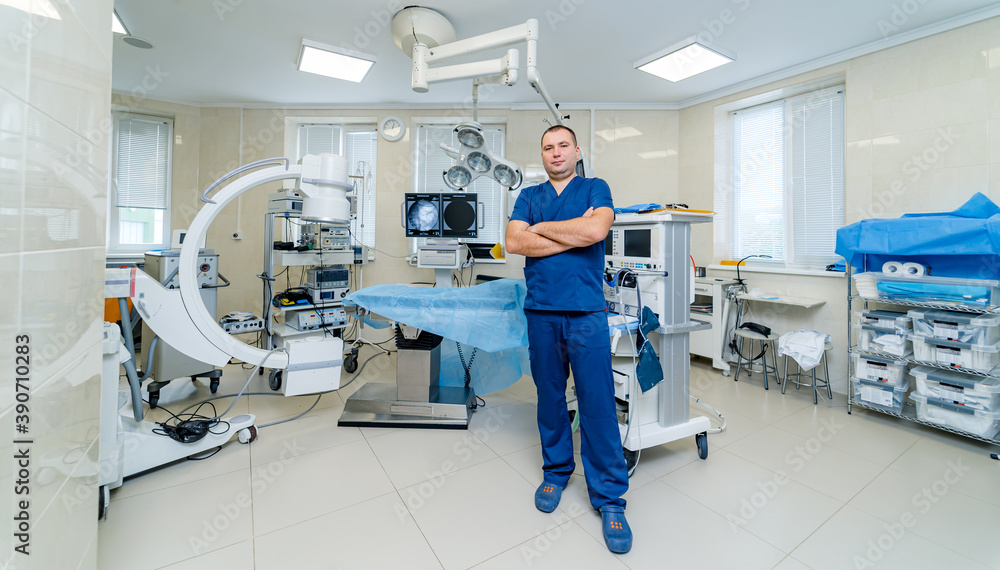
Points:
x=332 y=61
x=682 y=60
x=117 y=26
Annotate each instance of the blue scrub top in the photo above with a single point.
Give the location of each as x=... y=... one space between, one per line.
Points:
x=571 y=280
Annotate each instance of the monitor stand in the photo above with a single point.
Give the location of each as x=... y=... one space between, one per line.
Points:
x=443 y=256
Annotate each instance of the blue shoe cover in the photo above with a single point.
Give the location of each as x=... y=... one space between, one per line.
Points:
x=547 y=496
x=617 y=534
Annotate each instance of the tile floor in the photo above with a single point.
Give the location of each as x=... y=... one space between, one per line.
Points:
x=788 y=485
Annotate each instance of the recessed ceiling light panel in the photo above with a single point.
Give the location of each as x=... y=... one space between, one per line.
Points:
x=332 y=61
x=685 y=59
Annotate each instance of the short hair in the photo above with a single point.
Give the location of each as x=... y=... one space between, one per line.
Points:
x=556 y=128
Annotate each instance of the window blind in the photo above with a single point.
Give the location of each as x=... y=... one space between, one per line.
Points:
x=142 y=162
x=817 y=145
x=319 y=138
x=758 y=181
x=361 y=148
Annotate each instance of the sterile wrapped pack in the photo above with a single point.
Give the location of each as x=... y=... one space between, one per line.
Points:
x=489 y=317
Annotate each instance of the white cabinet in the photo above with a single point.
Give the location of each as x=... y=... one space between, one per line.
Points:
x=711 y=304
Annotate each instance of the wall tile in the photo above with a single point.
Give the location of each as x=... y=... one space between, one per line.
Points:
x=17 y=27
x=937 y=190
x=950 y=58
x=993 y=95
x=908 y=155
x=994 y=140
x=66 y=188
x=12 y=127
x=71 y=77
x=61 y=301
x=63 y=536
x=858 y=158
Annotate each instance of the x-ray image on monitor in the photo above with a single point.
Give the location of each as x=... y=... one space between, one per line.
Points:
x=423 y=215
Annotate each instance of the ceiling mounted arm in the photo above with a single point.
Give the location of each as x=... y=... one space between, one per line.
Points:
x=427 y=37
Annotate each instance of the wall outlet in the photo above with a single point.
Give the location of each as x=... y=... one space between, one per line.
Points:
x=237 y=235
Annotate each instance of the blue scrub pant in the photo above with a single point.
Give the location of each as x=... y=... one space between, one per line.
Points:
x=559 y=340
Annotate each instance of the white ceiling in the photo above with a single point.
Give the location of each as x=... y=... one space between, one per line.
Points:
x=243 y=52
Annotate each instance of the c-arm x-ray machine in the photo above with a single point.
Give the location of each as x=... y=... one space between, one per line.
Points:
x=180 y=318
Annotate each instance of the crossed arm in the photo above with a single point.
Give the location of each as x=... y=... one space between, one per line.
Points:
x=549 y=238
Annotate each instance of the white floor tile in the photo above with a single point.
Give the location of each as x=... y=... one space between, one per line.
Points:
x=807 y=460
x=239 y=555
x=790 y=563
x=853 y=539
x=379 y=533
x=868 y=435
x=177 y=523
x=313 y=432
x=670 y=529
x=662 y=459
x=738 y=426
x=298 y=488
x=768 y=504
x=936 y=456
x=477 y=513
x=565 y=546
x=748 y=399
x=506 y=428
x=411 y=456
x=307 y=494
x=929 y=506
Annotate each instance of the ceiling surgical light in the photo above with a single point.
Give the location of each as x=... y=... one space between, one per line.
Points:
x=474 y=159
x=685 y=59
x=332 y=61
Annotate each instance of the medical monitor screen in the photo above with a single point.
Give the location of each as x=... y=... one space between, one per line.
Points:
x=422 y=215
x=638 y=243
x=459 y=215
x=609 y=244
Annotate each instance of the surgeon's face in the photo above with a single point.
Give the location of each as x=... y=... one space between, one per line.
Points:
x=559 y=154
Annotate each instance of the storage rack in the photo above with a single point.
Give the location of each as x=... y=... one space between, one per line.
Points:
x=909 y=408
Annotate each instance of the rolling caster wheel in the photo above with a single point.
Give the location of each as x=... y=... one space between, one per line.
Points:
x=247 y=434
x=350 y=364
x=727 y=373
x=274 y=380
x=631 y=460
x=103 y=500
x=154 y=398
x=702 y=440
x=214 y=385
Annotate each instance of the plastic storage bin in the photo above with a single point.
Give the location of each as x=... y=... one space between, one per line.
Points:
x=880 y=395
x=963 y=327
x=974 y=292
x=884 y=320
x=970 y=391
x=965 y=355
x=872 y=339
x=883 y=370
x=955 y=416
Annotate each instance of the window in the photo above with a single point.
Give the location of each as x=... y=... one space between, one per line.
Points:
x=431 y=162
x=359 y=144
x=139 y=198
x=787 y=180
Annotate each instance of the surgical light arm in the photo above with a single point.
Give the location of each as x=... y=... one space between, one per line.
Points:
x=506 y=67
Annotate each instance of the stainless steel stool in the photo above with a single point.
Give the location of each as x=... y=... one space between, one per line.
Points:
x=764 y=341
x=798 y=375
